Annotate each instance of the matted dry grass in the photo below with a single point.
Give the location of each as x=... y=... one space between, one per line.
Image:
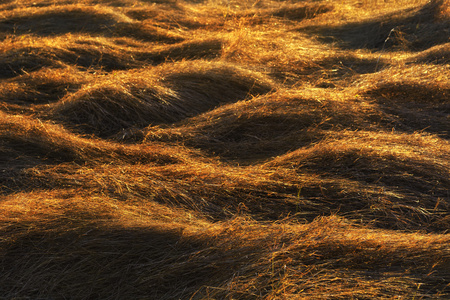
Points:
x=224 y=149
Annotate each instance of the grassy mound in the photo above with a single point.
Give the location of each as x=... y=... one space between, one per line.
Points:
x=153 y=96
x=270 y=125
x=401 y=184
x=411 y=28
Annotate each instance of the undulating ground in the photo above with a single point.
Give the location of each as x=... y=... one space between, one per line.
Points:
x=252 y=149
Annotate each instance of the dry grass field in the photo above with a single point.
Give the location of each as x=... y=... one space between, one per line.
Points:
x=224 y=149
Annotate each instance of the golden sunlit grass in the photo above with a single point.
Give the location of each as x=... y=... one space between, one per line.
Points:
x=224 y=149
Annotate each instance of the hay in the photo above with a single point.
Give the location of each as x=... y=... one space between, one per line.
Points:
x=153 y=97
x=224 y=149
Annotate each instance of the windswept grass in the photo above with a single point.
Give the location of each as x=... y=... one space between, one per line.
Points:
x=224 y=149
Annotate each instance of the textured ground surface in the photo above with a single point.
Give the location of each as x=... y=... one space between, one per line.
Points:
x=224 y=149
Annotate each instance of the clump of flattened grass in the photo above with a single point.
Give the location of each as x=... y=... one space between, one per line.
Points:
x=42 y=87
x=60 y=20
x=190 y=50
x=298 y=12
x=177 y=14
x=295 y=266
x=405 y=182
x=416 y=95
x=214 y=82
x=33 y=151
x=148 y=32
x=421 y=84
x=95 y=54
x=107 y=107
x=18 y=61
x=414 y=29
x=439 y=54
x=177 y=180
x=56 y=223
x=411 y=92
x=261 y=13
x=26 y=136
x=156 y=96
x=92 y=20
x=269 y=125
x=239 y=258
x=27 y=54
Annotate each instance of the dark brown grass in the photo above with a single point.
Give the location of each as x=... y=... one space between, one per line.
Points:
x=224 y=149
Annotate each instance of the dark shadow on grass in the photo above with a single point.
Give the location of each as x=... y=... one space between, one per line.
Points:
x=301 y=12
x=189 y=1
x=267 y=126
x=388 y=192
x=81 y=21
x=18 y=153
x=33 y=92
x=90 y=55
x=255 y=139
x=94 y=58
x=59 y=22
x=418 y=107
x=17 y=62
x=208 y=49
x=411 y=176
x=74 y=254
x=174 y=2
x=347 y=65
x=403 y=30
x=378 y=205
x=330 y=71
x=104 y=263
x=20 y=61
x=438 y=55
